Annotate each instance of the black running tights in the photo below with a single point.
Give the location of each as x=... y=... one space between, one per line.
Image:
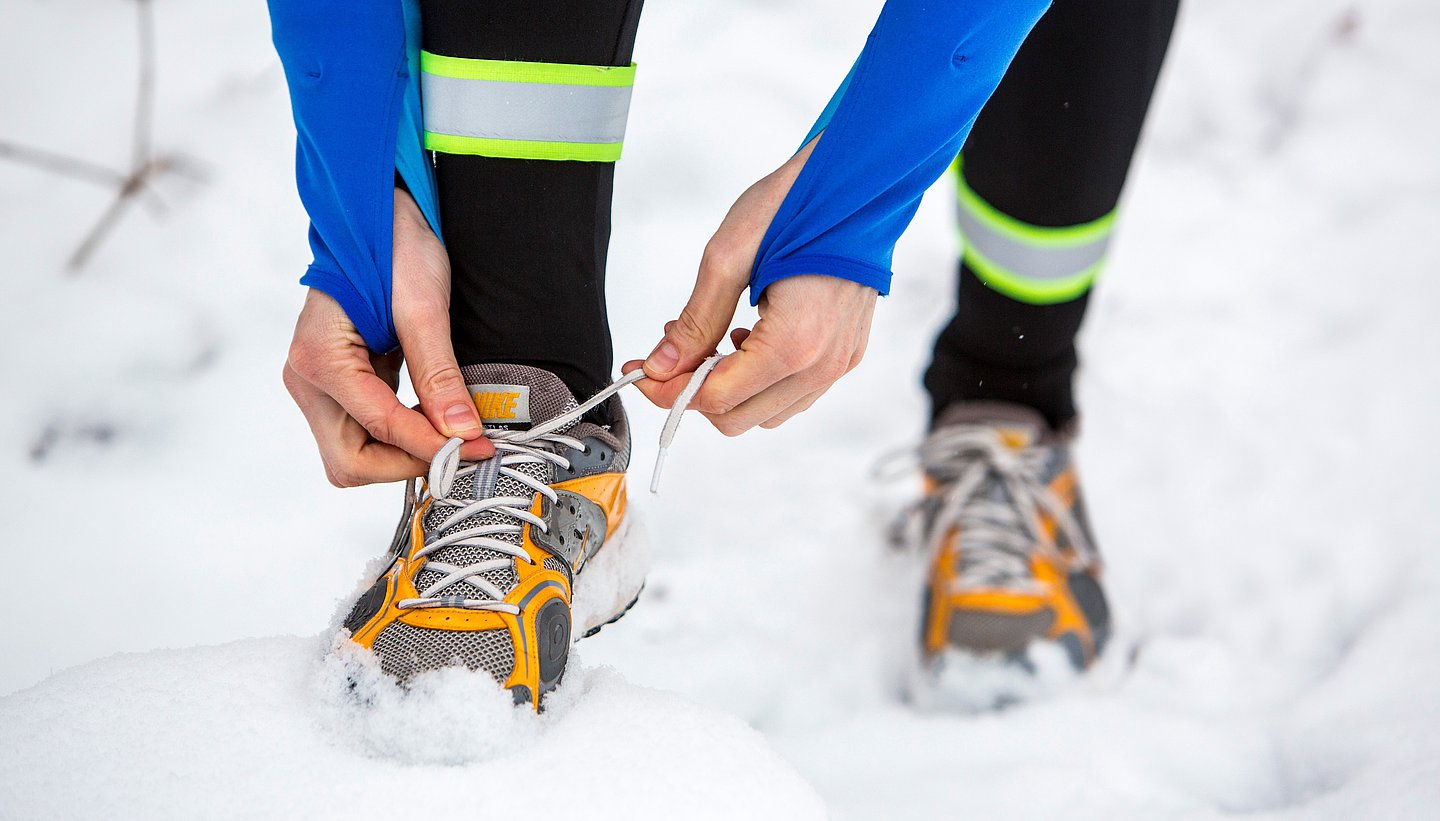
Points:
x=1051 y=148
x=528 y=238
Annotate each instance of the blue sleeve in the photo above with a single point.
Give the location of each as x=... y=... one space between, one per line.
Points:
x=892 y=129
x=352 y=69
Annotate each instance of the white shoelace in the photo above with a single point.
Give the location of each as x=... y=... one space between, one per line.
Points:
x=513 y=447
x=998 y=538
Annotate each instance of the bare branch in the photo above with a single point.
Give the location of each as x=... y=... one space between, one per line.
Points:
x=145 y=166
x=102 y=227
x=60 y=164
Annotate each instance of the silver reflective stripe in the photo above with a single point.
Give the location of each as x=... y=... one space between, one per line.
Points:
x=543 y=112
x=1036 y=262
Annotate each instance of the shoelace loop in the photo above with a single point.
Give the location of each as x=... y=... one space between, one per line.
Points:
x=514 y=447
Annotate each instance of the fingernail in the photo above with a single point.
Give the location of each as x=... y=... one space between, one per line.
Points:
x=461 y=419
x=664 y=358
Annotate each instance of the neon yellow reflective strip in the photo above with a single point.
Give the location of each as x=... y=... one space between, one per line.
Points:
x=522 y=149
x=1031 y=234
x=506 y=71
x=1031 y=263
x=1033 y=292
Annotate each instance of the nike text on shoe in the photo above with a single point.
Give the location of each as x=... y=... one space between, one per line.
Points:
x=1013 y=569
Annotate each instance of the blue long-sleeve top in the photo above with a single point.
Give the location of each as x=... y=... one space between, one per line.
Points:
x=893 y=127
x=890 y=131
x=353 y=68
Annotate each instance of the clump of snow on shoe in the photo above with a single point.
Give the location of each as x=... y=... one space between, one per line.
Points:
x=955 y=681
x=452 y=716
x=603 y=588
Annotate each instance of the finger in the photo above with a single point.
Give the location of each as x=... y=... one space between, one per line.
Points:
x=350 y=456
x=762 y=406
x=702 y=322
x=425 y=338
x=473 y=450
x=370 y=402
x=758 y=363
x=664 y=394
x=371 y=461
x=378 y=463
x=797 y=408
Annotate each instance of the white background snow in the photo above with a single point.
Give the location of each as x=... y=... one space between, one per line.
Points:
x=1260 y=452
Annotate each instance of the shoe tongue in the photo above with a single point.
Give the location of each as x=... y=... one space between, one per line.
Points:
x=1018 y=426
x=517 y=397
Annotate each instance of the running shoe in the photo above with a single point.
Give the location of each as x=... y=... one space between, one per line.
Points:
x=498 y=564
x=1013 y=571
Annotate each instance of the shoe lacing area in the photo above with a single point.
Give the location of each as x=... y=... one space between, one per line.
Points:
x=539 y=446
x=993 y=498
x=513 y=513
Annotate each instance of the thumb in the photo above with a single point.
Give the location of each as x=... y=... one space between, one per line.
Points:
x=702 y=323
x=444 y=399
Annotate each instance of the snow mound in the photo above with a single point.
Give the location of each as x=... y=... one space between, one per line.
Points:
x=278 y=728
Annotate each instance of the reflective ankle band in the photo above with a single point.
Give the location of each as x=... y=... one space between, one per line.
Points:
x=1030 y=263
x=529 y=111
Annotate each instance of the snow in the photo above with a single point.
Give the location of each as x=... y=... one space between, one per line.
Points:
x=300 y=743
x=1260 y=456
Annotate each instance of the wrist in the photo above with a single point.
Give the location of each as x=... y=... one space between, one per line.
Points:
x=854 y=270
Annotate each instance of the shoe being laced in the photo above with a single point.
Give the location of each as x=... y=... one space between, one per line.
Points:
x=497 y=563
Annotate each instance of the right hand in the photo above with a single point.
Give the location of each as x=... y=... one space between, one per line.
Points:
x=812 y=329
x=347 y=392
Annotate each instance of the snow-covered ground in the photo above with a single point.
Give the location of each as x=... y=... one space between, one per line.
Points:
x=1260 y=455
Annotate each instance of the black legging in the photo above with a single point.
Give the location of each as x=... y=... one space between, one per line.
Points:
x=528 y=238
x=1052 y=147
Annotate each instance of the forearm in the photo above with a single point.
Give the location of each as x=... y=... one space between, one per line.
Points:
x=891 y=131
x=345 y=67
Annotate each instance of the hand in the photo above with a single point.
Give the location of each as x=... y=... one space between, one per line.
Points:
x=812 y=330
x=347 y=392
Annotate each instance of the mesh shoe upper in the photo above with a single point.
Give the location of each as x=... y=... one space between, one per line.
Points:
x=489 y=554
x=428 y=611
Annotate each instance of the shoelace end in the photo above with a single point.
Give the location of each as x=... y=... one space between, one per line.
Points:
x=655 y=474
x=672 y=421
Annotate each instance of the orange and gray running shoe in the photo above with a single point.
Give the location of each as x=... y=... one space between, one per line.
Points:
x=497 y=564
x=1013 y=572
